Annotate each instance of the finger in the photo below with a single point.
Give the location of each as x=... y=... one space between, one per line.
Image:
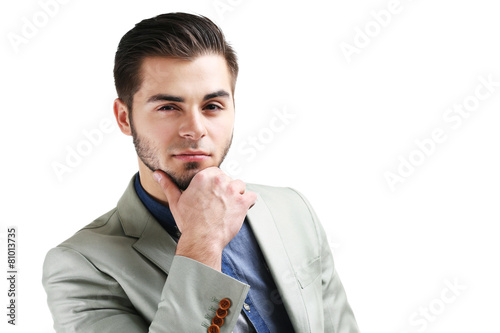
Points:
x=250 y=198
x=172 y=192
x=238 y=186
x=209 y=177
x=212 y=172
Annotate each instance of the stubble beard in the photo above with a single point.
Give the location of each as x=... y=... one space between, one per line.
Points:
x=149 y=155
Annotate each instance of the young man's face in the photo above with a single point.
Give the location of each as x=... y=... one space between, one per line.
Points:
x=182 y=116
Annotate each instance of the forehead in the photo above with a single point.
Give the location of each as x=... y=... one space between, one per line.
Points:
x=203 y=74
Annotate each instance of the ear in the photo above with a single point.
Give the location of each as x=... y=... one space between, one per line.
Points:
x=122 y=116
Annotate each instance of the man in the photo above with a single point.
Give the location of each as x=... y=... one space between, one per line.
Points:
x=188 y=249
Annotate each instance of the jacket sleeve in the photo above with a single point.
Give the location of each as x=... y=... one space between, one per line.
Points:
x=84 y=299
x=338 y=315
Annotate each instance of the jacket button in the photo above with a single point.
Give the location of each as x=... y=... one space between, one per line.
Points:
x=213 y=329
x=218 y=321
x=221 y=313
x=225 y=304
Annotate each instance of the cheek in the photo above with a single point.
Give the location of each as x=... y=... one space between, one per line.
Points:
x=225 y=124
x=222 y=131
x=159 y=132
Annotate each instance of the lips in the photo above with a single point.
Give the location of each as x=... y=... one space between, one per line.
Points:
x=191 y=156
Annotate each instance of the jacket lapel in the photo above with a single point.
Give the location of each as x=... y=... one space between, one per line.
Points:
x=153 y=241
x=156 y=245
x=279 y=263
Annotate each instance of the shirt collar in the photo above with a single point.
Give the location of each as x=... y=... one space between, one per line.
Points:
x=159 y=211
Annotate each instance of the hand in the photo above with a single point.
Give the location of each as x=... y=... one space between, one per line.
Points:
x=209 y=213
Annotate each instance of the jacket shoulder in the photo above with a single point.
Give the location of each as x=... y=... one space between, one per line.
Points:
x=281 y=197
x=97 y=234
x=106 y=223
x=291 y=211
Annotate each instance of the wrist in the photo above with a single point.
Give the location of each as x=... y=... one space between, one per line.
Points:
x=205 y=252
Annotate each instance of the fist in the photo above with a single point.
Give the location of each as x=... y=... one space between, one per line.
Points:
x=209 y=213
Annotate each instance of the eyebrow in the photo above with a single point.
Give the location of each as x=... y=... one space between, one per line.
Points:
x=220 y=93
x=171 y=98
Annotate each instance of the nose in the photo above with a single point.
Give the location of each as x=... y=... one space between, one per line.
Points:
x=193 y=126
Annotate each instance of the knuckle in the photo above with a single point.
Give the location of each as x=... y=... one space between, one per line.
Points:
x=240 y=201
x=240 y=183
x=235 y=188
x=220 y=179
x=231 y=189
x=200 y=176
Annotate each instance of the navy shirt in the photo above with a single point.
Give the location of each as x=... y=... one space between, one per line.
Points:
x=242 y=259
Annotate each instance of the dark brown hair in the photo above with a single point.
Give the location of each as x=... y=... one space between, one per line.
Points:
x=174 y=35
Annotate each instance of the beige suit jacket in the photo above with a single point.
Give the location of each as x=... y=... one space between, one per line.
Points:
x=120 y=273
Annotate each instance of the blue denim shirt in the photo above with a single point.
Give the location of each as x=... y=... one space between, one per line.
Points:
x=242 y=259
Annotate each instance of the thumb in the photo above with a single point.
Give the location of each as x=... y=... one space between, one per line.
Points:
x=171 y=190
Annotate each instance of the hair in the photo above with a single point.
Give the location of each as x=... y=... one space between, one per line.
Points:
x=175 y=35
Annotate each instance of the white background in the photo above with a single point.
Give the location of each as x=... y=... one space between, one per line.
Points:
x=394 y=250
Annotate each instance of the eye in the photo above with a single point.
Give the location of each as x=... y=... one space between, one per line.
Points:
x=166 y=108
x=213 y=107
